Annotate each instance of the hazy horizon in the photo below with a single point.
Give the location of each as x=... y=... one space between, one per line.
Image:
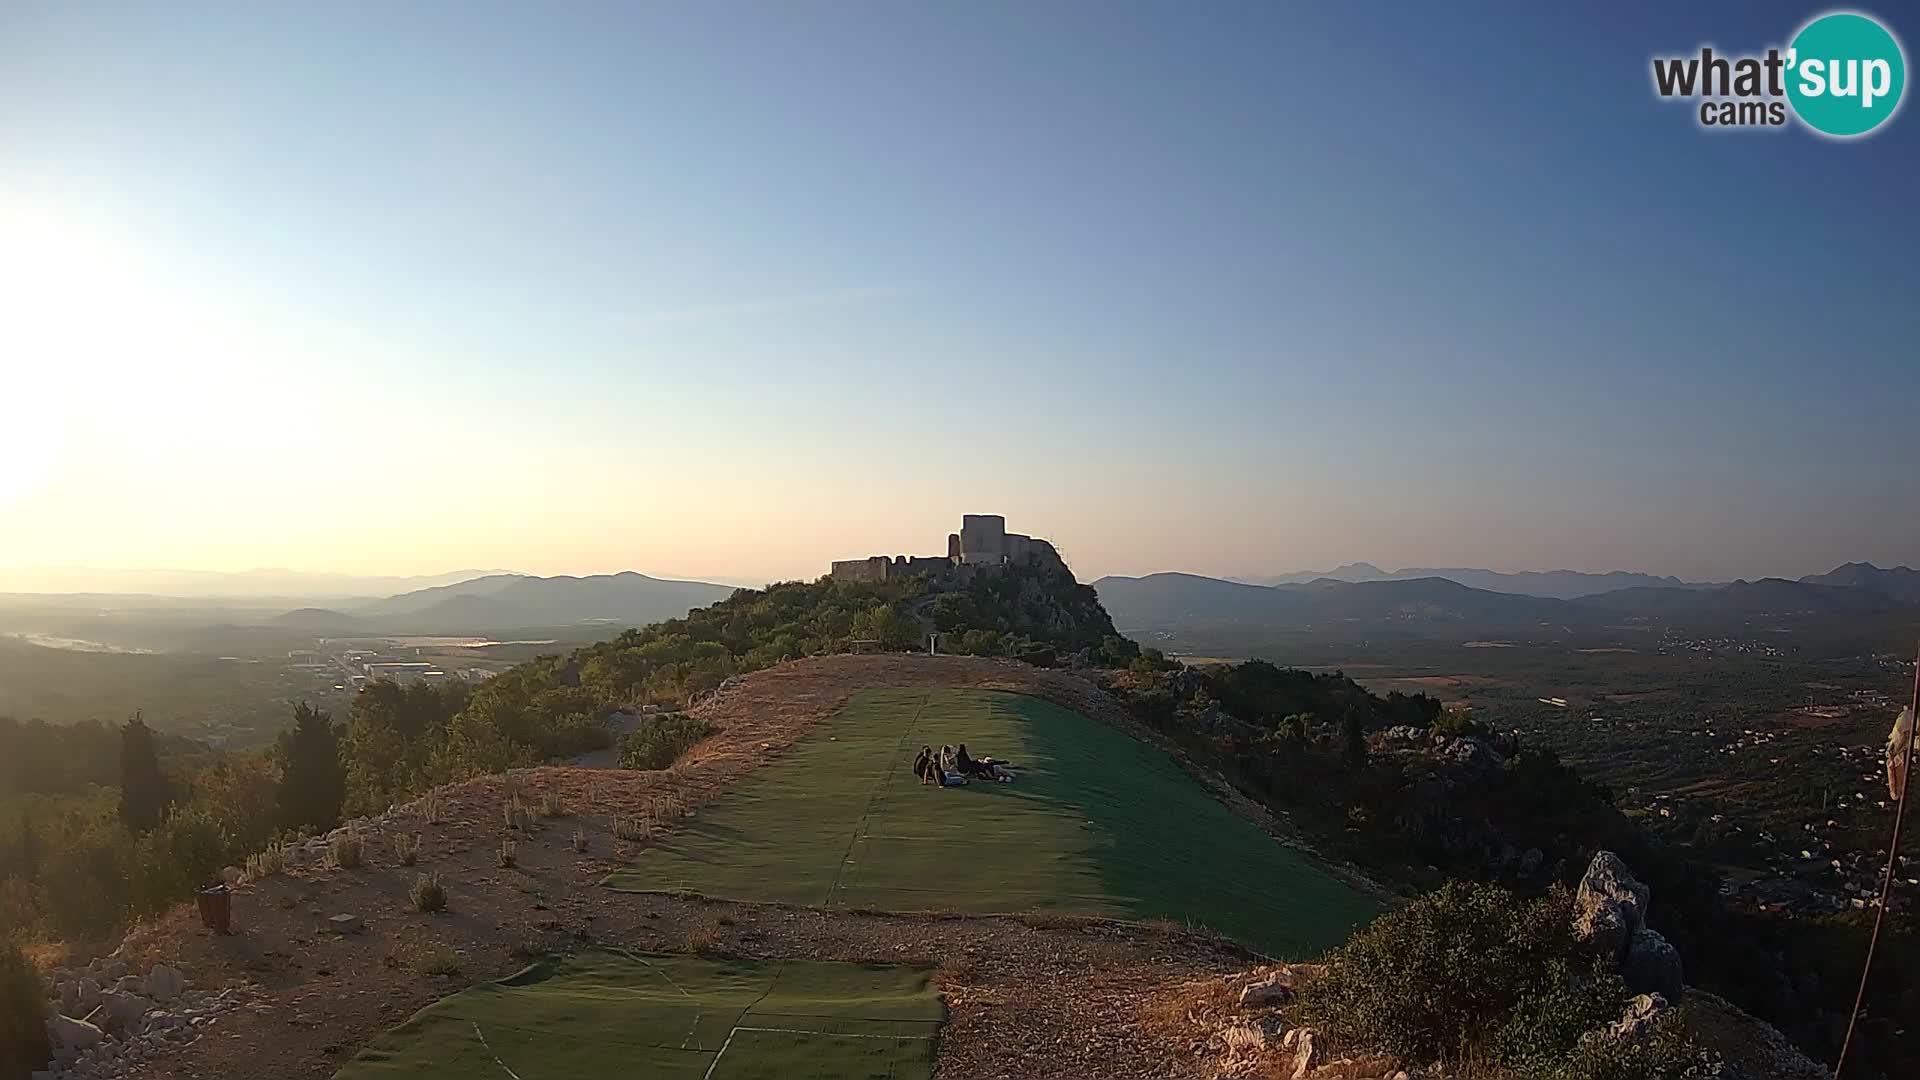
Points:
x=725 y=292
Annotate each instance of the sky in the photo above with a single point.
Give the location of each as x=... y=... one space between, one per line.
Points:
x=726 y=290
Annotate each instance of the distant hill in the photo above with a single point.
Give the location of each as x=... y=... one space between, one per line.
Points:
x=508 y=601
x=1558 y=584
x=317 y=619
x=225 y=585
x=1901 y=583
x=1161 y=601
x=1768 y=596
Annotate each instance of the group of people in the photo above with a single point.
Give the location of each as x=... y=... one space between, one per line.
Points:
x=953 y=766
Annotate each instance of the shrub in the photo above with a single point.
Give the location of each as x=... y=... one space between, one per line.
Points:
x=518 y=815
x=1667 y=1054
x=436 y=962
x=508 y=852
x=430 y=808
x=1456 y=722
x=427 y=893
x=632 y=829
x=552 y=805
x=704 y=938
x=580 y=840
x=23 y=1014
x=1467 y=969
x=660 y=740
x=347 y=849
x=406 y=849
x=267 y=862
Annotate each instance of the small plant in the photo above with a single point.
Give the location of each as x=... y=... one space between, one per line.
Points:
x=406 y=849
x=430 y=808
x=552 y=805
x=633 y=829
x=518 y=815
x=436 y=962
x=267 y=862
x=507 y=854
x=347 y=849
x=427 y=893
x=704 y=938
x=580 y=840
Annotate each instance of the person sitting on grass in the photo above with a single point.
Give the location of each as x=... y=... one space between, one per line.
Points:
x=925 y=769
x=984 y=768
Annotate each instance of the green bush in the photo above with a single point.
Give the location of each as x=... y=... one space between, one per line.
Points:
x=427 y=893
x=660 y=740
x=23 y=1015
x=1469 y=970
x=1667 y=1054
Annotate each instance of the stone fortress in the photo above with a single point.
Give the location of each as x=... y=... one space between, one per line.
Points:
x=982 y=545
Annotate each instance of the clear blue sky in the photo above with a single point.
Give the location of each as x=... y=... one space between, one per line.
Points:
x=731 y=290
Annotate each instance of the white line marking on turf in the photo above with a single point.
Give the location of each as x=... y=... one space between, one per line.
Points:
x=797 y=1031
x=478 y=1034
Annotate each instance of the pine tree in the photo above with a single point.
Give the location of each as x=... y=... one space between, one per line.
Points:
x=313 y=782
x=143 y=789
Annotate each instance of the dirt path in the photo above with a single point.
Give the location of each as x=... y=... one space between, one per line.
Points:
x=1036 y=996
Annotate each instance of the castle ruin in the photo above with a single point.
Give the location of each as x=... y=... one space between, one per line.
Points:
x=982 y=545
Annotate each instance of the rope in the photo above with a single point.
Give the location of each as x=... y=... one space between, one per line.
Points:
x=1886 y=884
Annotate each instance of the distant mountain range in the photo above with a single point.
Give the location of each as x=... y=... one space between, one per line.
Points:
x=1559 y=584
x=211 y=584
x=507 y=601
x=1172 y=600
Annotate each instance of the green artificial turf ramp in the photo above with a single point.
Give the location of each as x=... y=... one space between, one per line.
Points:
x=1098 y=823
x=617 y=1014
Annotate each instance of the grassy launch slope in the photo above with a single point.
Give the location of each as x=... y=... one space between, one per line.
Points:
x=1098 y=823
x=605 y=1014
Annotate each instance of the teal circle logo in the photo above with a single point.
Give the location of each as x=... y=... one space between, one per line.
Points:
x=1845 y=74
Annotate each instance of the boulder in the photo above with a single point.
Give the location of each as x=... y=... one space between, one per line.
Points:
x=129 y=984
x=1604 y=926
x=165 y=983
x=1637 y=1019
x=1610 y=905
x=64 y=1032
x=1652 y=965
x=1271 y=991
x=124 y=1011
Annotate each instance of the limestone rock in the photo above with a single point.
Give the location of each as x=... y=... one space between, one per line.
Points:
x=165 y=983
x=1637 y=1019
x=69 y=1034
x=124 y=1011
x=1270 y=991
x=1305 y=1054
x=1610 y=905
x=1652 y=965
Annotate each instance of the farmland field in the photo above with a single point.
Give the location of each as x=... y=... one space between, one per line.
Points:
x=1097 y=823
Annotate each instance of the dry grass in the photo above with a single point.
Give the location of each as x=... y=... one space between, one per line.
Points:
x=430 y=808
x=580 y=840
x=508 y=853
x=703 y=937
x=267 y=862
x=633 y=829
x=427 y=894
x=347 y=849
x=553 y=805
x=516 y=812
x=406 y=849
x=436 y=962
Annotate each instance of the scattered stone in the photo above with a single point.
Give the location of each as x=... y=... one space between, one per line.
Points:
x=1637 y=1019
x=66 y=1033
x=1652 y=965
x=124 y=1011
x=1271 y=991
x=344 y=924
x=232 y=875
x=165 y=983
x=129 y=984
